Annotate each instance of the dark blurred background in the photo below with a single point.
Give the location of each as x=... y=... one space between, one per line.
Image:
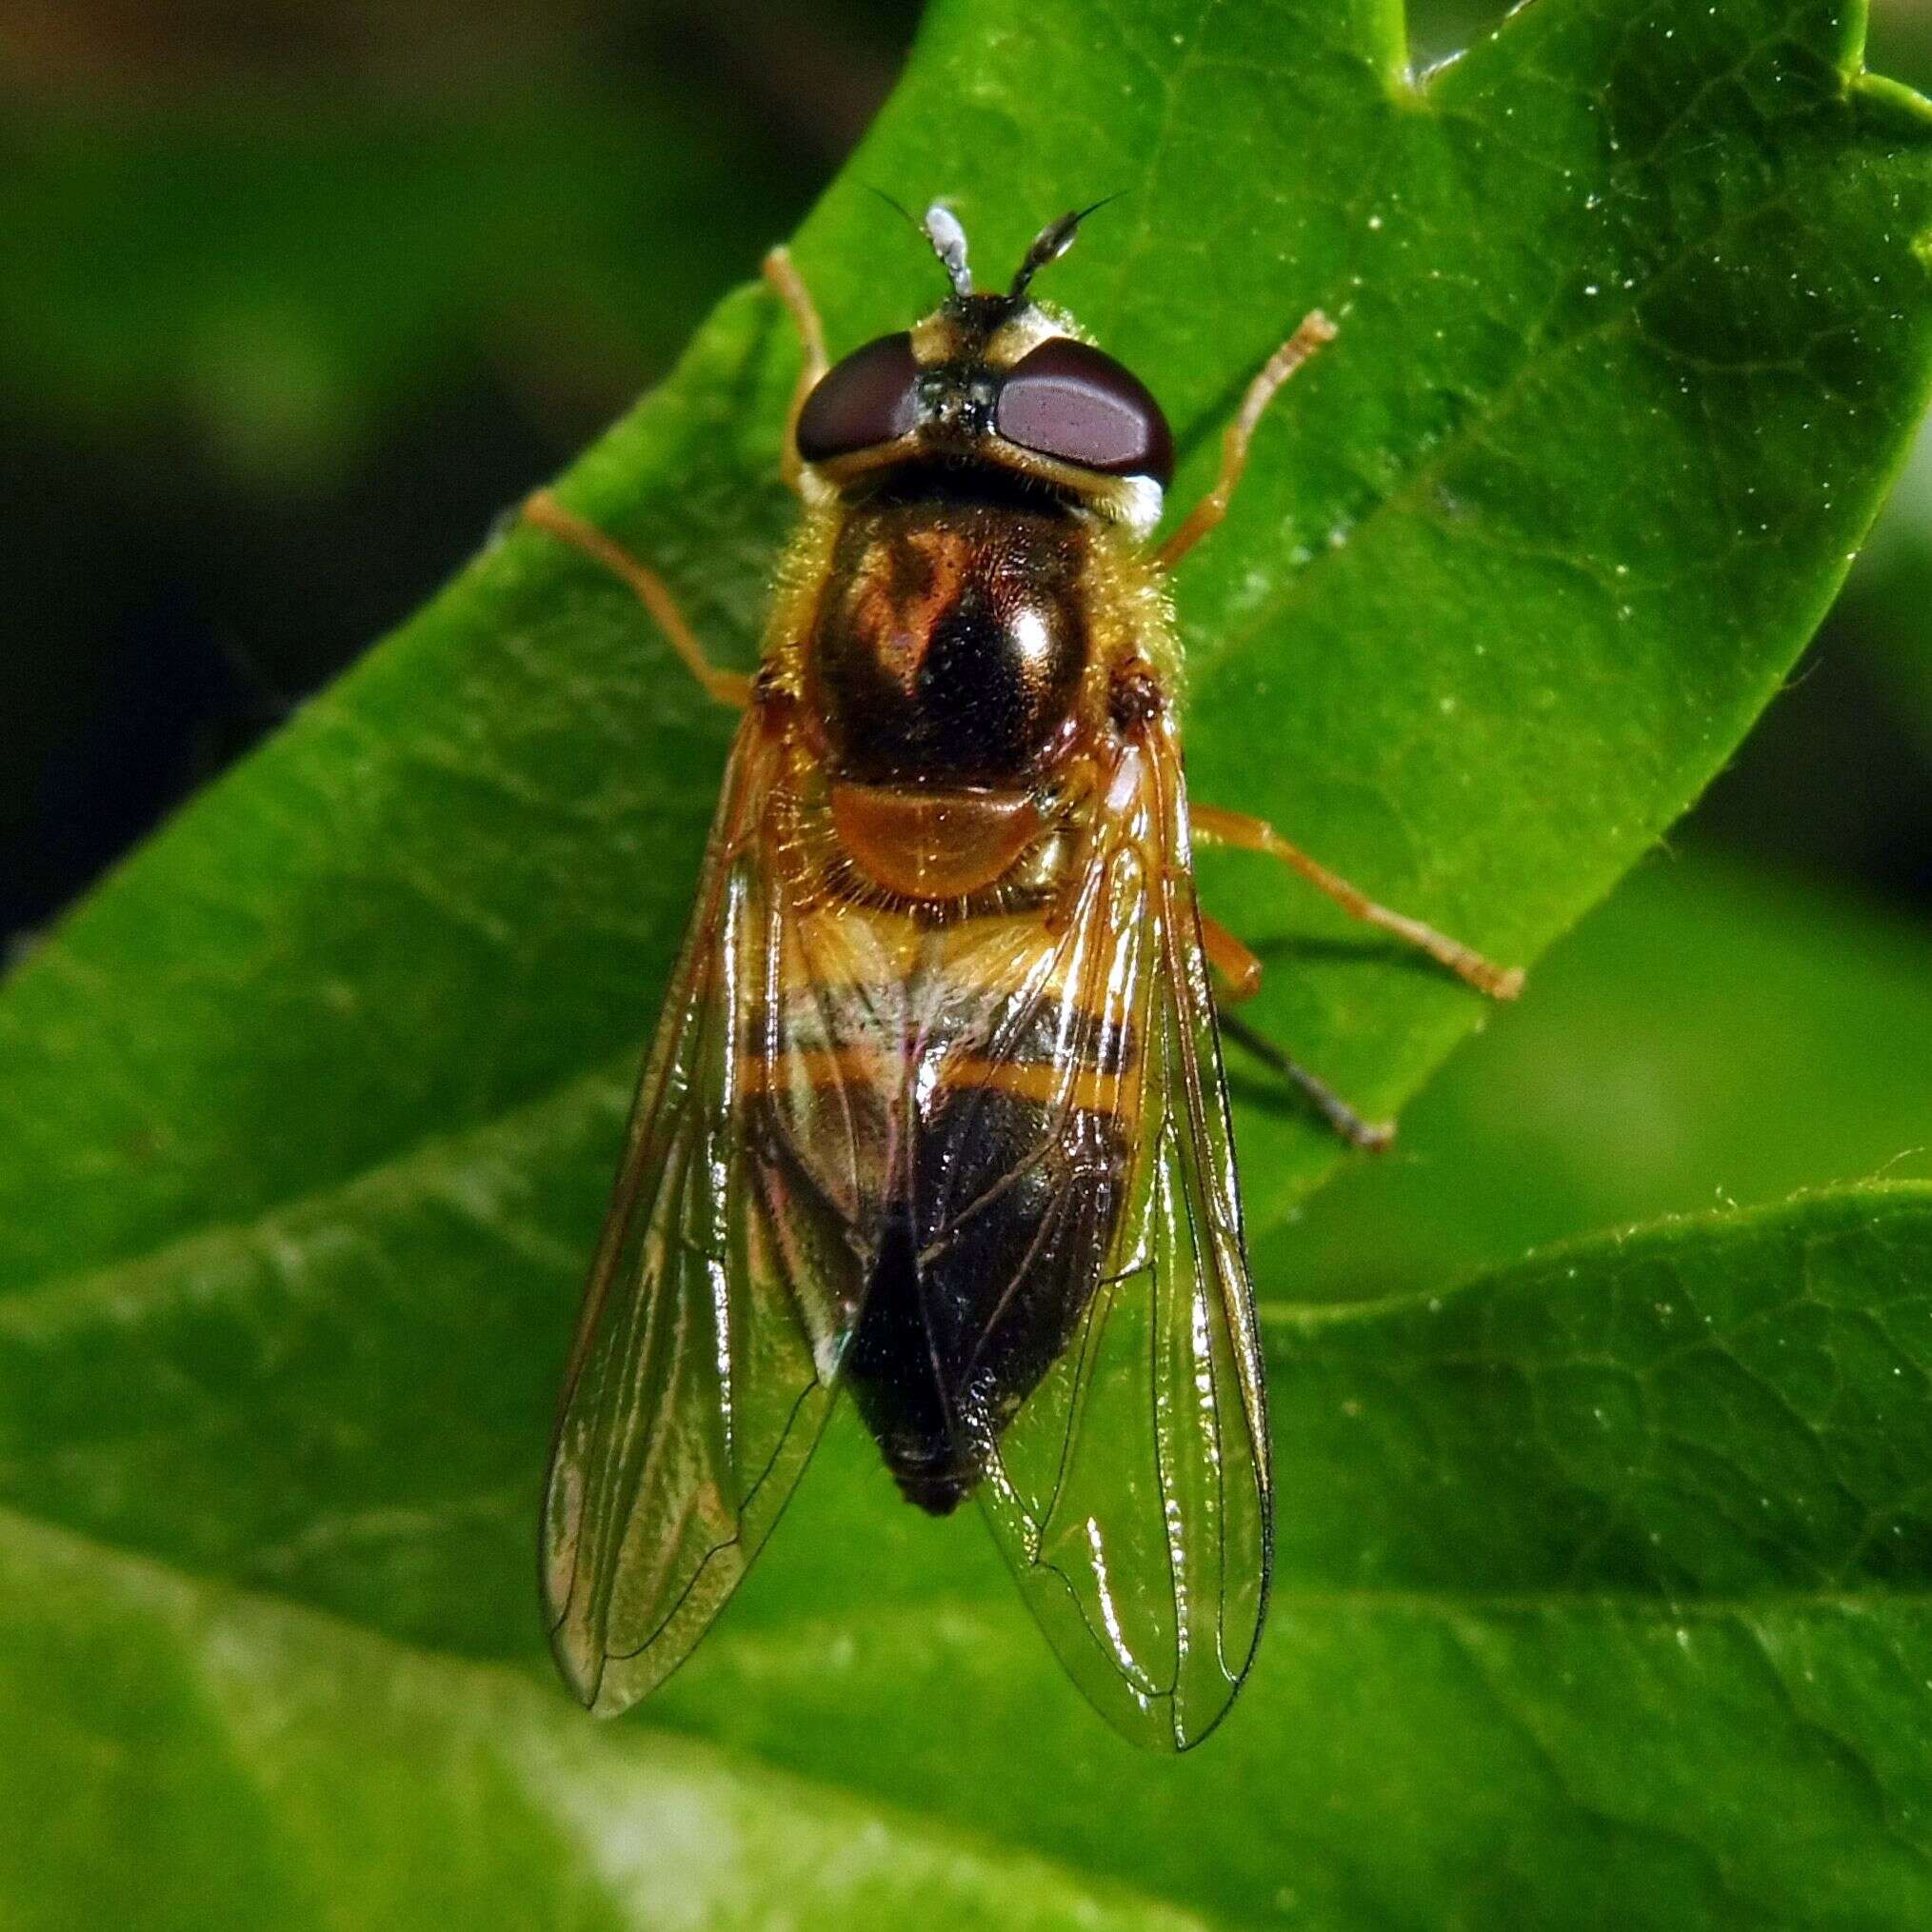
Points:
x=295 y=296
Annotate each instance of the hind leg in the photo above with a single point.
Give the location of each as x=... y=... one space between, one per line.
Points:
x=1241 y=973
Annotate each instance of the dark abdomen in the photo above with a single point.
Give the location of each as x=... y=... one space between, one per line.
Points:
x=989 y=1254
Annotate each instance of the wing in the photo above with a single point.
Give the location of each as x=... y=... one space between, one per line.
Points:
x=723 y=1292
x=1131 y=1494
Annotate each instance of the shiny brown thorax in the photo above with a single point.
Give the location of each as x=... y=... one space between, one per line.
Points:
x=949 y=646
x=955 y=648
x=945 y=667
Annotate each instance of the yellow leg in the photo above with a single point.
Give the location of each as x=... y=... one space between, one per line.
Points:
x=1215 y=827
x=1239 y=968
x=547 y=513
x=1315 y=331
x=790 y=287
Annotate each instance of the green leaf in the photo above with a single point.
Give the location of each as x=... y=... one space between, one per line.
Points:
x=1602 y=1602
x=1577 y=1563
x=1709 y=1037
x=311 y=1109
x=202 y=1762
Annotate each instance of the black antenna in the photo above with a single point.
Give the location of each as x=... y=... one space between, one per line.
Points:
x=897 y=207
x=1051 y=243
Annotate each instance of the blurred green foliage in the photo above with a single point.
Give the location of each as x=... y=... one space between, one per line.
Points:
x=1603 y=1579
x=234 y=277
x=282 y=255
x=295 y=298
x=1712 y=1038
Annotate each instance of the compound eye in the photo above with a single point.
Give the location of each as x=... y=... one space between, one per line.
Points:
x=868 y=399
x=1068 y=401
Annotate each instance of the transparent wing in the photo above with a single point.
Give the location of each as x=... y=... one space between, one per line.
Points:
x=720 y=1300
x=1131 y=1494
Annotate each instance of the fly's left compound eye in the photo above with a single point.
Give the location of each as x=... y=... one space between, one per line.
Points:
x=1068 y=401
x=868 y=399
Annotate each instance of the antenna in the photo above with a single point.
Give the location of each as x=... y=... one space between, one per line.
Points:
x=1051 y=243
x=949 y=243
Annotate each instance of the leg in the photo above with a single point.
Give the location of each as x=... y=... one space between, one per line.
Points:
x=790 y=289
x=1370 y=1136
x=1214 y=826
x=1315 y=331
x=547 y=513
x=1241 y=973
x=1239 y=969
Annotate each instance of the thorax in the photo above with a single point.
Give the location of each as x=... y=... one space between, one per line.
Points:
x=951 y=660
x=950 y=641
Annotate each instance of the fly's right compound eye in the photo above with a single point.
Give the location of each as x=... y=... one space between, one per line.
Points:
x=868 y=399
x=1068 y=401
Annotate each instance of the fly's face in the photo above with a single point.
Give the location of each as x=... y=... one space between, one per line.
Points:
x=998 y=384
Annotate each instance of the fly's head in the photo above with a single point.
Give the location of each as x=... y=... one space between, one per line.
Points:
x=996 y=384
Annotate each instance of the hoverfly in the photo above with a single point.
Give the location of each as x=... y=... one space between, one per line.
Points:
x=935 y=1114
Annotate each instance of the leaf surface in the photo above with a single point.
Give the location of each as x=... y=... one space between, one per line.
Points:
x=1602 y=1602
x=1708 y=1038
x=202 y=1761
x=1577 y=1563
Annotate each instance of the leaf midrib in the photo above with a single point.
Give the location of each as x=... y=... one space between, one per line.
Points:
x=391 y=1172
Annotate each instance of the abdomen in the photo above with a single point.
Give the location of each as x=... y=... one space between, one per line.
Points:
x=1003 y=1210
x=971 y=1075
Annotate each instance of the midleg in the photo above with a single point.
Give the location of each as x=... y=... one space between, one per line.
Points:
x=547 y=513
x=1239 y=972
x=1214 y=826
x=790 y=287
x=1315 y=331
